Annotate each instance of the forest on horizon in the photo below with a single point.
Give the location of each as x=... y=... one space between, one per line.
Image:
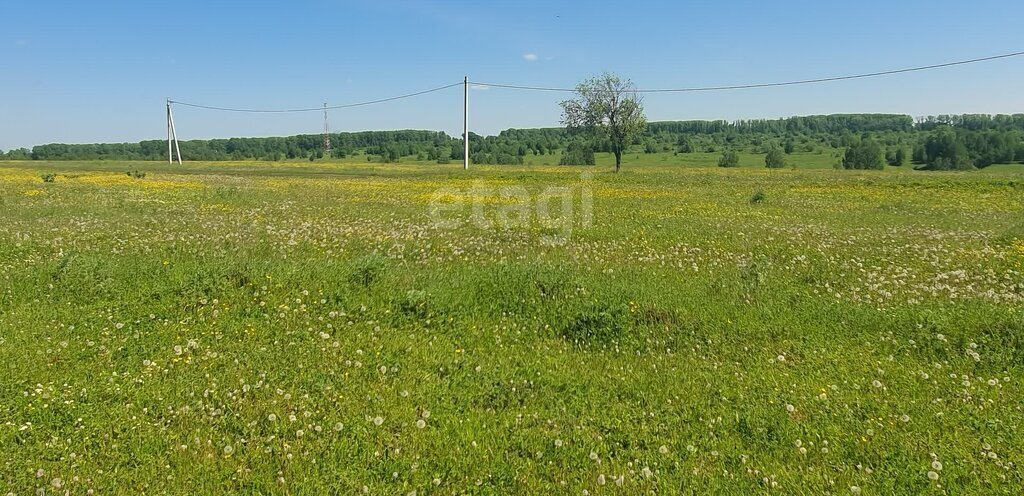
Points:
x=964 y=141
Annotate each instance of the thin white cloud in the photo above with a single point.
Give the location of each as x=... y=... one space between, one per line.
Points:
x=530 y=57
x=479 y=87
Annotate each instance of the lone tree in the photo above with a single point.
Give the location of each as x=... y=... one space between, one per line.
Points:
x=609 y=108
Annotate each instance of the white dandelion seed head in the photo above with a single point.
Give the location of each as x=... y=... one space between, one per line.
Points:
x=593 y=455
x=558 y=443
x=663 y=449
x=421 y=424
x=425 y=414
x=933 y=475
x=378 y=420
x=855 y=489
x=228 y=449
x=272 y=417
x=790 y=408
x=937 y=465
x=339 y=426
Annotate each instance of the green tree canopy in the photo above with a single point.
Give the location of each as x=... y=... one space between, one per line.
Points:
x=729 y=158
x=863 y=155
x=775 y=159
x=608 y=108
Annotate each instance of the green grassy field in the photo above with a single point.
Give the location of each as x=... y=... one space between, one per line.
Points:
x=826 y=159
x=315 y=328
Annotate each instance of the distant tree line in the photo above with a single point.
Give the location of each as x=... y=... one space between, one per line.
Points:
x=860 y=140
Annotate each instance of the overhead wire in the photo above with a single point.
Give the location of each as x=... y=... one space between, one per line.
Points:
x=315 y=109
x=572 y=90
x=767 y=85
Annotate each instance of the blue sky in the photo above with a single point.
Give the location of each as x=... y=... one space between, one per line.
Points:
x=100 y=71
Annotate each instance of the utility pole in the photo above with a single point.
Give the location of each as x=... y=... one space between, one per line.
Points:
x=327 y=134
x=170 y=156
x=465 y=123
x=171 y=136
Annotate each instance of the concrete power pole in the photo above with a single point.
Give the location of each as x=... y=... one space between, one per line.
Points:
x=465 y=123
x=327 y=135
x=172 y=135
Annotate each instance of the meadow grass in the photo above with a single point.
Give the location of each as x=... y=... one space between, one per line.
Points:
x=309 y=328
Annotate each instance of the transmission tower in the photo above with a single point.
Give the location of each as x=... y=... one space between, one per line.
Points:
x=327 y=133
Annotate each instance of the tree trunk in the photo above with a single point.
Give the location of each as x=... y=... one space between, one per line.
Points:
x=618 y=159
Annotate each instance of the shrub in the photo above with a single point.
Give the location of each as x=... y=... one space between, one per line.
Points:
x=136 y=174
x=945 y=163
x=896 y=158
x=577 y=154
x=864 y=155
x=775 y=159
x=758 y=197
x=729 y=158
x=48 y=178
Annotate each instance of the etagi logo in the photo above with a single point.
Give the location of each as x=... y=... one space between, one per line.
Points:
x=554 y=208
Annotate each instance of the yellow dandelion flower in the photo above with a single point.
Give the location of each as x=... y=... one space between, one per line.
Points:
x=1019 y=246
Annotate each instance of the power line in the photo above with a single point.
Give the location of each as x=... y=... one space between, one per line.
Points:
x=771 y=85
x=571 y=90
x=316 y=109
